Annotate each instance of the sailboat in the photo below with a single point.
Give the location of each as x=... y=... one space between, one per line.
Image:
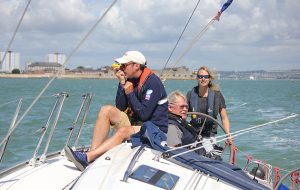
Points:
x=129 y=165
x=150 y=164
x=145 y=165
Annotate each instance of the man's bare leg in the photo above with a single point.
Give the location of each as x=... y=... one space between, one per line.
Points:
x=108 y=114
x=123 y=133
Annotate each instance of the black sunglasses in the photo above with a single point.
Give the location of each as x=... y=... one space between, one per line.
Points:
x=202 y=76
x=124 y=65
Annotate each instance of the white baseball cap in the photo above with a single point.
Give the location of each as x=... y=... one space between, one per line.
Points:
x=134 y=56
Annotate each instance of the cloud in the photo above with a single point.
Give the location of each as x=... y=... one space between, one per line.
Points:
x=268 y=29
x=56 y=17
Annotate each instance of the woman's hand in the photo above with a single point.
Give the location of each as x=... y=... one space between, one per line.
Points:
x=229 y=140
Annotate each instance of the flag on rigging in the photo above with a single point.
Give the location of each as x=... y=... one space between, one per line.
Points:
x=224 y=7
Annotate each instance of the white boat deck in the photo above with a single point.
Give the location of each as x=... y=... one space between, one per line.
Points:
x=56 y=173
x=107 y=172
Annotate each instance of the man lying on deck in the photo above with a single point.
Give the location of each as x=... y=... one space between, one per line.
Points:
x=141 y=97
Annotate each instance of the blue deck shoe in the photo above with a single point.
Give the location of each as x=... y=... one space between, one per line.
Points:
x=78 y=158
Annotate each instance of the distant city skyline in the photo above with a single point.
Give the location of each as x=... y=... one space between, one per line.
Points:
x=250 y=35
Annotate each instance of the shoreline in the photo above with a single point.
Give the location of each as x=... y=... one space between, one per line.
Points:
x=73 y=76
x=51 y=75
x=97 y=77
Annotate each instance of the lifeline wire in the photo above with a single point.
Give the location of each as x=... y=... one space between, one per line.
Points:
x=29 y=97
x=179 y=37
x=14 y=35
x=9 y=102
x=56 y=74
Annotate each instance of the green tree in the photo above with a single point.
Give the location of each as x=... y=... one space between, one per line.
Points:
x=16 y=71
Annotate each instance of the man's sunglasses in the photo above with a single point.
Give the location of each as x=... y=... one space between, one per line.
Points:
x=124 y=65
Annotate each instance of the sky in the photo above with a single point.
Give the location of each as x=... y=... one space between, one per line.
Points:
x=251 y=35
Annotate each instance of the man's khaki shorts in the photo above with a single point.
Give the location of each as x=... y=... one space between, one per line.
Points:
x=124 y=121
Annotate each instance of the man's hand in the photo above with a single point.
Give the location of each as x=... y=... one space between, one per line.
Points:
x=128 y=87
x=121 y=76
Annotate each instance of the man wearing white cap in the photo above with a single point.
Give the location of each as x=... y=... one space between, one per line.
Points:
x=141 y=97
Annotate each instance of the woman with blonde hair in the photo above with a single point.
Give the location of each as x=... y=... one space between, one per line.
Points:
x=206 y=98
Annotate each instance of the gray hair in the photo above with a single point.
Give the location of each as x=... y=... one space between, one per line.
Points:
x=173 y=96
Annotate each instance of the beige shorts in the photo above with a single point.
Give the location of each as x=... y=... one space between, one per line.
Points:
x=124 y=121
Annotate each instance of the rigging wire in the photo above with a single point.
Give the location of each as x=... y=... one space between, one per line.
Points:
x=180 y=37
x=190 y=45
x=15 y=32
x=216 y=17
x=59 y=71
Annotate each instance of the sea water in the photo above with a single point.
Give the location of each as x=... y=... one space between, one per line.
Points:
x=249 y=104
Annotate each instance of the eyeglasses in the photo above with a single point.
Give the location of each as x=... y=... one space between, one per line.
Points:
x=181 y=106
x=203 y=76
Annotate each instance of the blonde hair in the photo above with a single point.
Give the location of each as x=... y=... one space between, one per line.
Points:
x=211 y=84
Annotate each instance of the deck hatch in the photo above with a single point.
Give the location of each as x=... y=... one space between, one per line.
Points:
x=155 y=177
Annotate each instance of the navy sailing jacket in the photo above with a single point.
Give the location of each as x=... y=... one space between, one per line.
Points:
x=148 y=105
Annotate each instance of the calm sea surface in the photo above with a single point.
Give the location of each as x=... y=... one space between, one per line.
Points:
x=249 y=103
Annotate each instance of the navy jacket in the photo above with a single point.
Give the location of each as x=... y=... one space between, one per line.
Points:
x=145 y=105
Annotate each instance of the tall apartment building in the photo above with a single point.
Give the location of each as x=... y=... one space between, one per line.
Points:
x=11 y=61
x=56 y=58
